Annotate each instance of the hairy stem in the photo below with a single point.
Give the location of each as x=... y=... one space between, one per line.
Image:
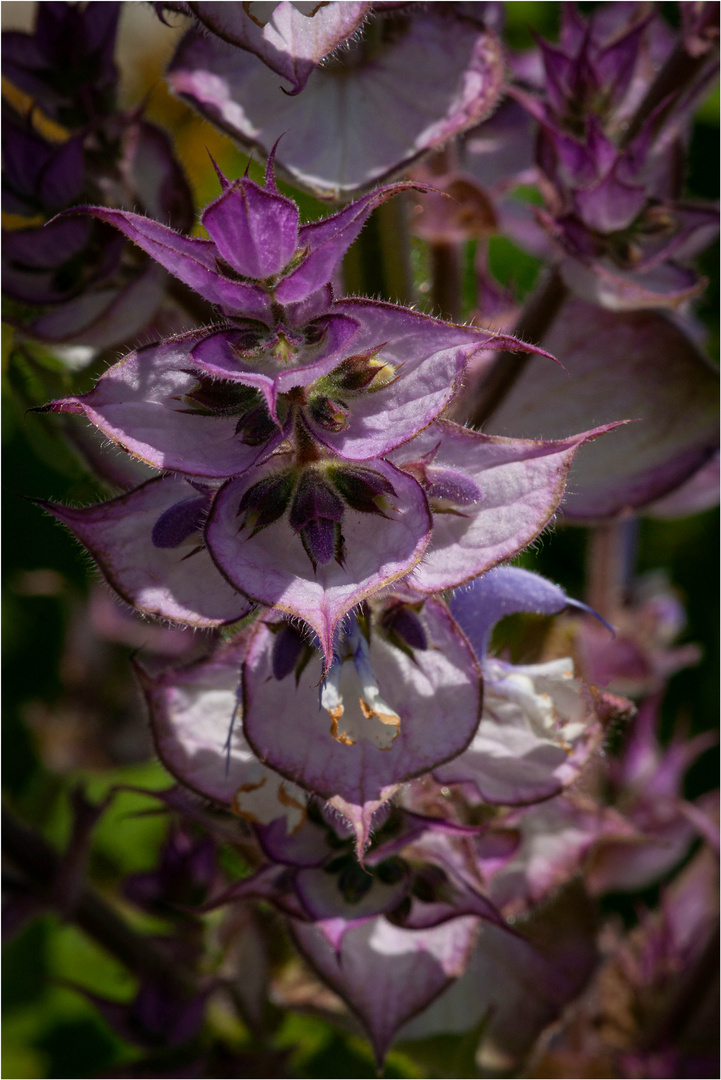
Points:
x=446 y=279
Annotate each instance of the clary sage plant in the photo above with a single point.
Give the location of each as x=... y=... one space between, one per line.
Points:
x=323 y=491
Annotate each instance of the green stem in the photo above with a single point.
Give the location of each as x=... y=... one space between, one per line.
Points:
x=392 y=221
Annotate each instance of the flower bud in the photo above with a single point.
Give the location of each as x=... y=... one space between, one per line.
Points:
x=266 y=501
x=363 y=489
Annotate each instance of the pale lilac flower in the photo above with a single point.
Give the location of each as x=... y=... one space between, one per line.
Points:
x=386 y=711
x=539 y=726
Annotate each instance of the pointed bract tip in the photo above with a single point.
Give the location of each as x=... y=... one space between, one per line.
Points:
x=224 y=181
x=270 y=183
x=591 y=611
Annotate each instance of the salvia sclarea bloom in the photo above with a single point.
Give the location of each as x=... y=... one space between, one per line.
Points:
x=613 y=192
x=290 y=430
x=67 y=144
x=404 y=689
x=387 y=114
x=401 y=698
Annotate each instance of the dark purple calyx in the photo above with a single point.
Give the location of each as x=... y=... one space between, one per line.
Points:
x=216 y=398
x=362 y=489
x=266 y=501
x=213 y=397
x=403 y=627
x=291 y=652
x=318 y=495
x=354 y=881
x=315 y=515
x=446 y=488
x=180 y=521
x=248 y=337
x=256 y=427
x=364 y=372
x=329 y=414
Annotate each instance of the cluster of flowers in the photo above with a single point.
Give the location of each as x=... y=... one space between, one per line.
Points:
x=307 y=472
x=404 y=792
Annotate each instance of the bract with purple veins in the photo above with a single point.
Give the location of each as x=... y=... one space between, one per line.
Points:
x=516 y=985
x=634 y=364
x=149 y=546
x=155 y=405
x=313 y=541
x=387 y=113
x=404 y=370
x=365 y=377
x=194 y=715
x=192 y=260
x=385 y=713
x=489 y=496
x=290 y=38
x=258 y=254
x=386 y=974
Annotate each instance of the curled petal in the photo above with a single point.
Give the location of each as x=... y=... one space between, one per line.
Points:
x=506 y=590
x=537 y=732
